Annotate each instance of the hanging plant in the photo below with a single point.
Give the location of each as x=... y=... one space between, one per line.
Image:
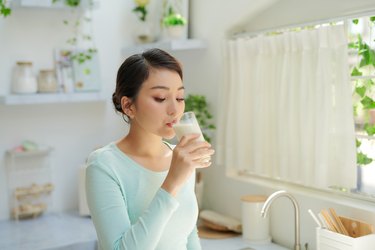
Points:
x=83 y=55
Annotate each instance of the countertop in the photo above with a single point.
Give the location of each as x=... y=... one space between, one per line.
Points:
x=236 y=243
x=69 y=231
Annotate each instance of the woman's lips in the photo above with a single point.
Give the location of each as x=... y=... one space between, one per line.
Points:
x=170 y=124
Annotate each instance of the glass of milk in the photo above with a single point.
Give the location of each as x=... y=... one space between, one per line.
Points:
x=188 y=124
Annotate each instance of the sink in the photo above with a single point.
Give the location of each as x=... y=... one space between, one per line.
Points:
x=236 y=243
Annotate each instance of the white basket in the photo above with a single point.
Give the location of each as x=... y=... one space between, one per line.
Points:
x=328 y=240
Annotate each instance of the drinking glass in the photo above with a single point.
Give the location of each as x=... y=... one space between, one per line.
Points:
x=188 y=124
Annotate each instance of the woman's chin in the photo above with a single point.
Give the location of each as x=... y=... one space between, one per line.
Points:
x=169 y=136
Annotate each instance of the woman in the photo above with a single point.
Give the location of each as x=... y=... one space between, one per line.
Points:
x=140 y=189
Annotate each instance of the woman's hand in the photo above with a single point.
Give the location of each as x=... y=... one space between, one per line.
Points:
x=188 y=155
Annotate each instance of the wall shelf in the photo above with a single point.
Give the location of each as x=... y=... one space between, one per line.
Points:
x=85 y=4
x=44 y=151
x=51 y=98
x=173 y=45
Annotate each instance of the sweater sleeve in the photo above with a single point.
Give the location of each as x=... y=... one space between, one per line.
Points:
x=108 y=210
x=194 y=241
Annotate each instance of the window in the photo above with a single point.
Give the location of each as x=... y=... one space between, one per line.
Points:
x=288 y=109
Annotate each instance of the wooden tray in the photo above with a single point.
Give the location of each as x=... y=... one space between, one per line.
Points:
x=207 y=233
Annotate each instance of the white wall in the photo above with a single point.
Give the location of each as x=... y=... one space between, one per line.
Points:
x=213 y=22
x=73 y=130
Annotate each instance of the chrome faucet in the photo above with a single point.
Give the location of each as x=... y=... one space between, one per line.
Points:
x=267 y=204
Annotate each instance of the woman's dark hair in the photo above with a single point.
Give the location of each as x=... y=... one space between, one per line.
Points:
x=135 y=70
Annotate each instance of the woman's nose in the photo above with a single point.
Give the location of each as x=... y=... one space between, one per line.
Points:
x=172 y=108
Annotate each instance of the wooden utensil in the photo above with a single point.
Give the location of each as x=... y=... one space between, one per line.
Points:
x=356 y=228
x=331 y=225
x=338 y=222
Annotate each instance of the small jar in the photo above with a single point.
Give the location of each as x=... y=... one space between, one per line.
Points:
x=47 y=82
x=24 y=80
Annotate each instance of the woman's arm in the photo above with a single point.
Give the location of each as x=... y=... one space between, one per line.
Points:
x=194 y=241
x=109 y=212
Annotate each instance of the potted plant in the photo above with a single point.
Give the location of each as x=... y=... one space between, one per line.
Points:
x=174 y=24
x=198 y=104
x=143 y=28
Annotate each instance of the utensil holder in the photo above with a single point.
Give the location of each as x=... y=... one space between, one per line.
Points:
x=328 y=240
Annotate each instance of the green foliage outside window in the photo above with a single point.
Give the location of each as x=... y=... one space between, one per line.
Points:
x=364 y=87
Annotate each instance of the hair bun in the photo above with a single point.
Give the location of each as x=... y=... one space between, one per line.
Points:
x=116 y=103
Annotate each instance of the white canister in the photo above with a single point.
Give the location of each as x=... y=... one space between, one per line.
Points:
x=24 y=80
x=254 y=227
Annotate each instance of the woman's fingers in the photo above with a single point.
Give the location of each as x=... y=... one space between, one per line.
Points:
x=201 y=154
x=203 y=164
x=193 y=145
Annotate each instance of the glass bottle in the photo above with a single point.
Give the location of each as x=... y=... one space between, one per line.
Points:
x=47 y=82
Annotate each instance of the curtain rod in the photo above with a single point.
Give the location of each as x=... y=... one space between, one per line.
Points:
x=313 y=23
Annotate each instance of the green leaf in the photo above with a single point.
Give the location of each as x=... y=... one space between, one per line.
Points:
x=361 y=91
x=369 y=83
x=5 y=11
x=368 y=103
x=363 y=159
x=372 y=57
x=72 y=3
x=87 y=71
x=370 y=129
x=355 y=21
x=353 y=45
x=356 y=72
x=357 y=143
x=372 y=19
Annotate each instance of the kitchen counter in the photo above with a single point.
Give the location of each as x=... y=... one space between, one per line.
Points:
x=236 y=243
x=62 y=231
x=69 y=231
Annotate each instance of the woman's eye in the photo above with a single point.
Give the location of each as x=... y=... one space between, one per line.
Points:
x=159 y=99
x=180 y=99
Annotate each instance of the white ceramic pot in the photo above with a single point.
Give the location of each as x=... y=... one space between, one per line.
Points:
x=175 y=32
x=24 y=80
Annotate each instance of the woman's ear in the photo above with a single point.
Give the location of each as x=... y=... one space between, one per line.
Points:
x=127 y=107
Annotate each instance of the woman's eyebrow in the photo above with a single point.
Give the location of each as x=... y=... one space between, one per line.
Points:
x=166 y=88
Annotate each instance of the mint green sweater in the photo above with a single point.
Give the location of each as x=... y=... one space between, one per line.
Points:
x=131 y=211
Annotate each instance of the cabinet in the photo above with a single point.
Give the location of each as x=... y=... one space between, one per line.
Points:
x=29 y=182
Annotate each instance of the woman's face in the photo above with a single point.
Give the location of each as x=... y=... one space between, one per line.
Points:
x=160 y=103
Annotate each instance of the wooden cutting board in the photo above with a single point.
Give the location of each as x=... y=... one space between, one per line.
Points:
x=356 y=228
x=206 y=233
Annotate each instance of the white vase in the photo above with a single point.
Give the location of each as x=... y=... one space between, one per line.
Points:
x=175 y=32
x=24 y=80
x=144 y=33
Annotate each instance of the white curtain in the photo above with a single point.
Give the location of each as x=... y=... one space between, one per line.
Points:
x=286 y=109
